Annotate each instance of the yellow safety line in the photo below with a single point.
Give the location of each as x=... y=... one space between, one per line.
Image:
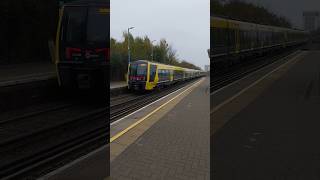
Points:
x=144 y=118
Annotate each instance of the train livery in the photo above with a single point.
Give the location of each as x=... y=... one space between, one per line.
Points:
x=82 y=44
x=236 y=38
x=146 y=75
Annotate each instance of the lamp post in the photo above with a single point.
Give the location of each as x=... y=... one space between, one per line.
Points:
x=129 y=44
x=152 y=50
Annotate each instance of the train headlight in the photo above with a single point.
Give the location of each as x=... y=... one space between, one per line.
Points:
x=104 y=51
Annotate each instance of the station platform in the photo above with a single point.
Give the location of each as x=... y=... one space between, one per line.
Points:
x=26 y=72
x=266 y=125
x=167 y=140
x=26 y=83
x=118 y=84
x=118 y=87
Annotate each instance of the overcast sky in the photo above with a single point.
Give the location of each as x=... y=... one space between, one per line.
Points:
x=183 y=23
x=292 y=9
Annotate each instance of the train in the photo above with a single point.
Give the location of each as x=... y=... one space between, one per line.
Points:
x=83 y=45
x=236 y=39
x=145 y=75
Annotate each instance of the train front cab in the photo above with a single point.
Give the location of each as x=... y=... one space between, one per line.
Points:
x=144 y=75
x=138 y=75
x=82 y=46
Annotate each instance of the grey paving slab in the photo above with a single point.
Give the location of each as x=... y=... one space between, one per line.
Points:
x=175 y=147
x=274 y=137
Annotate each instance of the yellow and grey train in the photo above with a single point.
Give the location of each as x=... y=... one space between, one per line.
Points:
x=145 y=75
x=237 y=38
x=82 y=44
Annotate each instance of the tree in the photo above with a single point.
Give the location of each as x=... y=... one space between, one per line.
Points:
x=249 y=12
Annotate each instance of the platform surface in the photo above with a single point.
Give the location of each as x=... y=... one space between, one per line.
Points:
x=118 y=84
x=175 y=146
x=271 y=130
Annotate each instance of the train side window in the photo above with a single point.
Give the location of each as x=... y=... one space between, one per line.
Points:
x=232 y=38
x=224 y=37
x=153 y=70
x=160 y=75
x=242 y=39
x=177 y=75
x=213 y=39
x=167 y=74
x=257 y=38
x=97 y=32
x=163 y=75
x=216 y=37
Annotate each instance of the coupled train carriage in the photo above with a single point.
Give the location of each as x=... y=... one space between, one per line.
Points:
x=232 y=38
x=146 y=75
x=82 y=45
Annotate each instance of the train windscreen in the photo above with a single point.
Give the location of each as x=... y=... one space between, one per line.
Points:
x=75 y=21
x=79 y=28
x=85 y=33
x=98 y=25
x=138 y=71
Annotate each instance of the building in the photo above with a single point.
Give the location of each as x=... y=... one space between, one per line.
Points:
x=311 y=20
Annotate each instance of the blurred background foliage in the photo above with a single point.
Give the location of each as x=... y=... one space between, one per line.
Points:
x=141 y=49
x=244 y=11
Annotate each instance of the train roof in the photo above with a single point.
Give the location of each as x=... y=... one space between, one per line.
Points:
x=88 y=2
x=247 y=25
x=240 y=20
x=147 y=61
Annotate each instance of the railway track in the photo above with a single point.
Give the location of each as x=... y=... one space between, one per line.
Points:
x=33 y=144
x=119 y=109
x=26 y=114
x=27 y=94
x=224 y=78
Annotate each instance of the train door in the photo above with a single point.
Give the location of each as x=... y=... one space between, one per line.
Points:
x=230 y=38
x=153 y=71
x=237 y=38
x=285 y=38
x=258 y=39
